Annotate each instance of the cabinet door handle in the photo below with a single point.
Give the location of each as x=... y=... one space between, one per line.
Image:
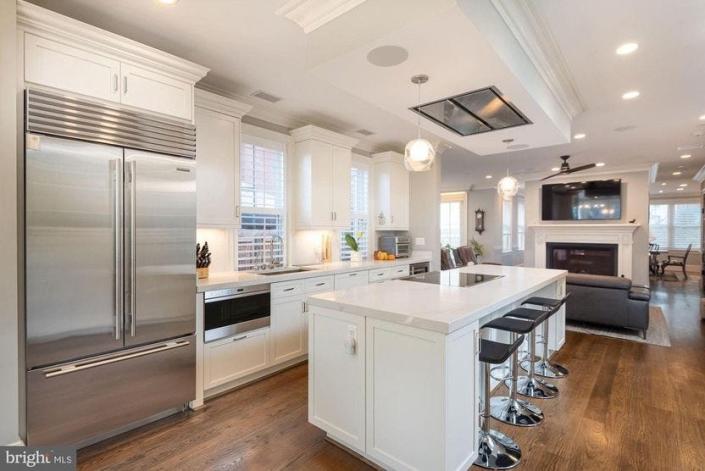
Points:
x=304 y=306
x=237 y=211
x=392 y=219
x=124 y=84
x=115 y=82
x=239 y=338
x=331 y=215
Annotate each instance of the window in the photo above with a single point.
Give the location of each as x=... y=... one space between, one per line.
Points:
x=521 y=223
x=359 y=210
x=453 y=216
x=262 y=203
x=675 y=225
x=506 y=225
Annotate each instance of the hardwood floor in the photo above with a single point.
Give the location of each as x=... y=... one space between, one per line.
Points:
x=625 y=405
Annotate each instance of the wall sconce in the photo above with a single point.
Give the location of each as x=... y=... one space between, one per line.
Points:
x=479 y=221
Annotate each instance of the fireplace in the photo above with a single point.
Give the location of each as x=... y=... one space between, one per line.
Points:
x=595 y=259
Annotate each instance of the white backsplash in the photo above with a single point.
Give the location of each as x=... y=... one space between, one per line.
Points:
x=220 y=242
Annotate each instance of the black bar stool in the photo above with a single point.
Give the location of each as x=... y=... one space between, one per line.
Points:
x=495 y=449
x=544 y=368
x=530 y=386
x=509 y=409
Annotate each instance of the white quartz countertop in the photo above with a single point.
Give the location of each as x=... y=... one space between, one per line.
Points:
x=240 y=278
x=439 y=308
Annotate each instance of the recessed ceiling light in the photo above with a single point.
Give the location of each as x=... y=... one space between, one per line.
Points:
x=630 y=95
x=702 y=117
x=600 y=164
x=676 y=173
x=627 y=48
x=387 y=56
x=683 y=185
x=660 y=191
x=686 y=156
x=580 y=135
x=663 y=184
x=488 y=176
x=555 y=169
x=168 y=2
x=679 y=189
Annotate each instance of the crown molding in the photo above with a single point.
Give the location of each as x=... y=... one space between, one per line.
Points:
x=41 y=21
x=535 y=38
x=221 y=104
x=312 y=14
x=314 y=132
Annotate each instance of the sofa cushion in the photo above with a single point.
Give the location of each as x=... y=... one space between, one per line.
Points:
x=599 y=281
x=640 y=294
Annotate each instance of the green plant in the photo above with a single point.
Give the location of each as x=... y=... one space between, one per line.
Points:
x=352 y=242
x=477 y=247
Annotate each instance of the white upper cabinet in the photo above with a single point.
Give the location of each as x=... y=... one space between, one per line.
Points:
x=391 y=192
x=218 y=122
x=322 y=175
x=57 y=65
x=156 y=92
x=67 y=55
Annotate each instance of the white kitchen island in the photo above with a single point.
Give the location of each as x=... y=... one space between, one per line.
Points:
x=393 y=367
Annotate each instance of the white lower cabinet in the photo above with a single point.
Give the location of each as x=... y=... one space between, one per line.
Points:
x=234 y=357
x=350 y=280
x=389 y=273
x=336 y=380
x=288 y=328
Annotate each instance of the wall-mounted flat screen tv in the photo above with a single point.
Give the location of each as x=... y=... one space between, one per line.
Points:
x=593 y=200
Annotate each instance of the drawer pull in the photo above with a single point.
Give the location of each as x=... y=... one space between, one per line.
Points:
x=243 y=337
x=289 y=289
x=321 y=283
x=353 y=274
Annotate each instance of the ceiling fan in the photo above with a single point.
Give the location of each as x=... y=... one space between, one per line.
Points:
x=565 y=168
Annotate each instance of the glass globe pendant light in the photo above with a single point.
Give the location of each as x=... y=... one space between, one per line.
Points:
x=419 y=154
x=508 y=187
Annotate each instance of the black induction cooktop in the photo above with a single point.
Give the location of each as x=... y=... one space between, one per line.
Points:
x=451 y=278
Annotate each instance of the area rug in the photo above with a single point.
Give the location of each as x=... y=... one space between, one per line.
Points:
x=657 y=334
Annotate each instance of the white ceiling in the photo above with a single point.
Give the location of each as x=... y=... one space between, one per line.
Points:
x=248 y=47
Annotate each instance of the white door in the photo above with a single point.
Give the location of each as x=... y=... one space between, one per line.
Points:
x=217 y=155
x=153 y=91
x=288 y=330
x=341 y=186
x=234 y=357
x=70 y=68
x=336 y=381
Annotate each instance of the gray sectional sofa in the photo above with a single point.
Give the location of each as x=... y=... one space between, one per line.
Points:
x=608 y=300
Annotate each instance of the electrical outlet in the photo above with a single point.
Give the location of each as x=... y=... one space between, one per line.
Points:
x=420 y=241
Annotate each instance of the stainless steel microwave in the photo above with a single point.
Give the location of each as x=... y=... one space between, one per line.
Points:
x=235 y=310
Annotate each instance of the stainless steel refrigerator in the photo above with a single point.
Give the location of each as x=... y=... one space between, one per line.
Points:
x=110 y=233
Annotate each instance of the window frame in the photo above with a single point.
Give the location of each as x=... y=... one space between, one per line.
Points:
x=508 y=235
x=669 y=226
x=272 y=144
x=460 y=197
x=362 y=163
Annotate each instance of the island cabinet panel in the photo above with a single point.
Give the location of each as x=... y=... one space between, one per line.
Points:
x=421 y=394
x=336 y=380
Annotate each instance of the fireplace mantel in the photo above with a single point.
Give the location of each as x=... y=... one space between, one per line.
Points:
x=620 y=234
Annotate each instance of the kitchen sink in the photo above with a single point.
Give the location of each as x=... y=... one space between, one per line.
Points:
x=281 y=271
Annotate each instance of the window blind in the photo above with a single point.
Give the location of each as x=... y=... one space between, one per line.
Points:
x=675 y=225
x=263 y=204
x=359 y=212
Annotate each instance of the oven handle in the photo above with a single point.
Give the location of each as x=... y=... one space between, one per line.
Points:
x=234 y=296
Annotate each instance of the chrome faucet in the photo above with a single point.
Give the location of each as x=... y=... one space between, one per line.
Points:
x=272 y=262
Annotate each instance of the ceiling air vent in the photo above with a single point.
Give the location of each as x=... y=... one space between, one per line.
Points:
x=266 y=96
x=364 y=132
x=473 y=112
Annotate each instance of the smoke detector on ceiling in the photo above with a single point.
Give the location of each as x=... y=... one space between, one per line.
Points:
x=265 y=96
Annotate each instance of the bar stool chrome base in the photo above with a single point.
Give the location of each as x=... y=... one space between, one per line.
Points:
x=546 y=369
x=535 y=388
x=497 y=451
x=515 y=412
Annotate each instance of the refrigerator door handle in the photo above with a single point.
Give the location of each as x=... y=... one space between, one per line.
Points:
x=116 y=166
x=133 y=248
x=74 y=367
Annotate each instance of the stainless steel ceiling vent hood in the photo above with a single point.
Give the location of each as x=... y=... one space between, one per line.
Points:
x=474 y=112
